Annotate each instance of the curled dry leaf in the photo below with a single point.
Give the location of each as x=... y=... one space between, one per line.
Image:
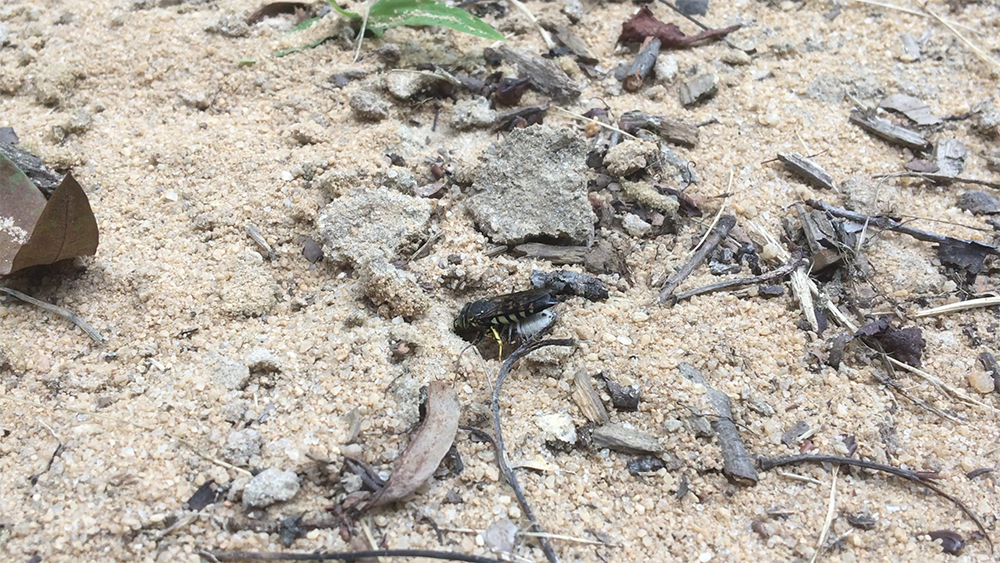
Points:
x=644 y=24
x=427 y=448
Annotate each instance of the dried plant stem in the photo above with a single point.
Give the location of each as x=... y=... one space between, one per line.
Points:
x=975 y=48
x=960 y=306
x=501 y=453
x=541 y=30
x=592 y=120
x=64 y=313
x=915 y=13
x=831 y=508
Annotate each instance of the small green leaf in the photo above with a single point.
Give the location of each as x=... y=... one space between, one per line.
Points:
x=387 y=14
x=305 y=24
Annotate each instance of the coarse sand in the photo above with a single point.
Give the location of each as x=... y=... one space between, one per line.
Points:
x=183 y=128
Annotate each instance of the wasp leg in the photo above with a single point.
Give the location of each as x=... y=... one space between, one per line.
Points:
x=496 y=335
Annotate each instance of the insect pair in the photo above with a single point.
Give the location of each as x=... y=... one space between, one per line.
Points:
x=525 y=314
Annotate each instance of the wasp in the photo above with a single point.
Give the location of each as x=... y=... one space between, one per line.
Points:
x=519 y=312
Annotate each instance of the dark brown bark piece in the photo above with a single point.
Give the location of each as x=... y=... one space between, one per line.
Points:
x=545 y=75
x=670 y=130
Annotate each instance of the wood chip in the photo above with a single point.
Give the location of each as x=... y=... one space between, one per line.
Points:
x=808 y=170
x=913 y=108
x=889 y=131
x=621 y=439
x=587 y=398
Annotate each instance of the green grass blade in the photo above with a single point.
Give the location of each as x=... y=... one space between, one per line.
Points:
x=386 y=14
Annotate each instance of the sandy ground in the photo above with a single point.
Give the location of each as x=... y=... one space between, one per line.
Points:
x=187 y=145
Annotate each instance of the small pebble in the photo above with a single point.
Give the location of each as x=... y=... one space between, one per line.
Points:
x=981 y=381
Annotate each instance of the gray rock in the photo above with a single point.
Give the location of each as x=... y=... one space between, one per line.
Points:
x=399 y=179
x=262 y=360
x=338 y=181
x=230 y=25
x=666 y=68
x=636 y=226
x=366 y=223
x=269 y=487
x=387 y=285
x=533 y=184
x=699 y=89
x=559 y=428
x=55 y=83
x=241 y=445
x=500 y=536
x=987 y=121
x=979 y=202
x=5 y=33
x=949 y=155
x=229 y=374
x=617 y=437
x=700 y=426
x=629 y=156
x=692 y=7
x=368 y=105
x=573 y=10
x=406 y=85
x=470 y=114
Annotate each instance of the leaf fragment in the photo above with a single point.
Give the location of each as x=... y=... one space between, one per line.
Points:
x=427 y=448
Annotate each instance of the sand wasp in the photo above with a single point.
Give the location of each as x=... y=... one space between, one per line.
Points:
x=522 y=313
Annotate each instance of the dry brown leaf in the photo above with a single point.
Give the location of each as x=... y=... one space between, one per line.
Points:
x=21 y=205
x=644 y=24
x=65 y=229
x=427 y=448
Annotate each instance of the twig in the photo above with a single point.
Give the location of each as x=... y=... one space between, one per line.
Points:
x=254 y=233
x=55 y=453
x=642 y=64
x=895 y=386
x=341 y=555
x=975 y=48
x=736 y=463
x=767 y=464
x=706 y=28
x=501 y=454
x=64 y=313
x=941 y=385
x=797 y=477
x=181 y=441
x=941 y=178
x=718 y=215
x=956 y=307
x=726 y=223
x=832 y=505
x=592 y=120
x=740 y=282
x=889 y=224
x=915 y=13
x=361 y=33
x=531 y=17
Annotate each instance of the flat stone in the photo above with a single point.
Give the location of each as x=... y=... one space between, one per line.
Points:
x=270 y=486
x=532 y=185
x=369 y=222
x=699 y=89
x=979 y=202
x=621 y=439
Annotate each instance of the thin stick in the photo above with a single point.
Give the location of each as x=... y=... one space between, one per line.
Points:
x=706 y=28
x=797 y=477
x=956 y=307
x=941 y=178
x=975 y=48
x=889 y=224
x=736 y=463
x=832 y=505
x=940 y=384
x=721 y=231
x=64 y=313
x=592 y=120
x=181 y=441
x=715 y=219
x=541 y=30
x=361 y=34
x=914 y=13
x=501 y=454
x=342 y=555
x=254 y=233
x=912 y=476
